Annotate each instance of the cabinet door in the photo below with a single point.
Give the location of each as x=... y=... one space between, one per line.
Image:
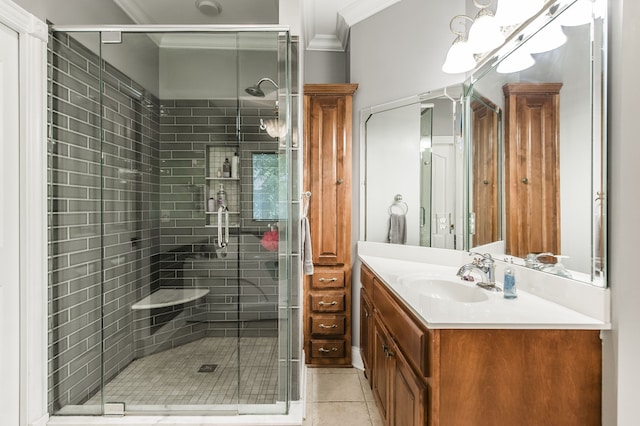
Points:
x=328 y=175
x=383 y=365
x=408 y=401
x=532 y=184
x=366 y=328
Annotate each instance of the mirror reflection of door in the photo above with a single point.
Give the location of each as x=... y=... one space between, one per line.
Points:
x=426 y=143
x=485 y=184
x=532 y=168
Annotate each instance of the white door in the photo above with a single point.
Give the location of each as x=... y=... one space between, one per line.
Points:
x=9 y=227
x=443 y=193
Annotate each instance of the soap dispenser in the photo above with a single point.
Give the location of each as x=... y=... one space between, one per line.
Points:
x=509 y=286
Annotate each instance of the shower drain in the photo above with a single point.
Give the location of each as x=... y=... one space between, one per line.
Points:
x=207 y=368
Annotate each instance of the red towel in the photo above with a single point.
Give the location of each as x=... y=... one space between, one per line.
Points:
x=270 y=240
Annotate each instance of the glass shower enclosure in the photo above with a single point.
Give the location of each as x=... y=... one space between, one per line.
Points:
x=171 y=216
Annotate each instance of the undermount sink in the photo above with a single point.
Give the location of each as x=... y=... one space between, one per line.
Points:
x=443 y=289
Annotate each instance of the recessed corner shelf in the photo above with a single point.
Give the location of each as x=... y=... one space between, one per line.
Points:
x=164 y=297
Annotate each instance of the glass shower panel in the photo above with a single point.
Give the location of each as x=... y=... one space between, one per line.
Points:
x=75 y=232
x=177 y=284
x=264 y=217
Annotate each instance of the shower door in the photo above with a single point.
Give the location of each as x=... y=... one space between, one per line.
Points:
x=169 y=287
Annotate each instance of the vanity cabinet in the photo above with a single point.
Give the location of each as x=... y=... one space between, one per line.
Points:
x=424 y=376
x=327 y=165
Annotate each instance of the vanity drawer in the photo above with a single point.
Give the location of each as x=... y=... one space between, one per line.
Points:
x=327 y=302
x=328 y=325
x=327 y=278
x=327 y=348
x=366 y=279
x=408 y=335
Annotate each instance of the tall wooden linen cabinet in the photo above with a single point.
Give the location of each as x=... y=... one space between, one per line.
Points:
x=327 y=174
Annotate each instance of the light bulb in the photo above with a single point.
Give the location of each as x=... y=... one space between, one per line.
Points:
x=459 y=58
x=485 y=33
x=518 y=60
x=512 y=12
x=548 y=38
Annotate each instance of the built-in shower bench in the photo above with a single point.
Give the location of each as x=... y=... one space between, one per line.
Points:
x=164 y=297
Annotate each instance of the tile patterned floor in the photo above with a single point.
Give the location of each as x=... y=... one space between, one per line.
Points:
x=339 y=396
x=171 y=377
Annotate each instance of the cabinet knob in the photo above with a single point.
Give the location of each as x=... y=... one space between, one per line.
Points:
x=525 y=181
x=340 y=181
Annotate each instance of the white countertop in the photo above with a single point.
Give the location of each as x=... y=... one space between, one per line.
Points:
x=528 y=311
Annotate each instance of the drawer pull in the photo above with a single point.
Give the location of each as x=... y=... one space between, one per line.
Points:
x=329 y=326
x=323 y=350
x=322 y=303
x=328 y=280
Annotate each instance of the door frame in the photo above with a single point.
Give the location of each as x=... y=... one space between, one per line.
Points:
x=32 y=182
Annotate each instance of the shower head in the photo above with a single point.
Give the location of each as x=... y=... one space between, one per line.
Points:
x=255 y=90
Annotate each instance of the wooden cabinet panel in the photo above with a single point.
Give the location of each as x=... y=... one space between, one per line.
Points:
x=327 y=302
x=485 y=174
x=366 y=279
x=327 y=348
x=327 y=175
x=327 y=279
x=406 y=332
x=408 y=404
x=532 y=187
x=366 y=329
x=382 y=365
x=328 y=325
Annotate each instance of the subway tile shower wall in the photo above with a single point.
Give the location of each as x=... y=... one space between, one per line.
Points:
x=151 y=209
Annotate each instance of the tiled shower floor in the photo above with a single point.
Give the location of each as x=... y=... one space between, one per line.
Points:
x=171 y=377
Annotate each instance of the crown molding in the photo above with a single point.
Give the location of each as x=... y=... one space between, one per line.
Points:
x=360 y=10
x=347 y=16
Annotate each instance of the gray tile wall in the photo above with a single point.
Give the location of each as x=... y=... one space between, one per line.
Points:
x=154 y=233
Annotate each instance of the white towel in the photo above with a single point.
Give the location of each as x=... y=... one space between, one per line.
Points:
x=307 y=257
x=397 y=229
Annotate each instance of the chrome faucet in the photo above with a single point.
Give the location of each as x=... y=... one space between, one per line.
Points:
x=485 y=266
x=533 y=261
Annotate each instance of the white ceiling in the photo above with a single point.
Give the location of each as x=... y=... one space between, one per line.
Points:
x=326 y=23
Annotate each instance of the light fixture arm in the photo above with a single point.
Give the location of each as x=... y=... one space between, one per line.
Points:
x=455 y=19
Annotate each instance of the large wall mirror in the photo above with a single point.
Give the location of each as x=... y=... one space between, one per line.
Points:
x=413 y=171
x=544 y=106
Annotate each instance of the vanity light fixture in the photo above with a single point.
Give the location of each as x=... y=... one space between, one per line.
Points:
x=518 y=60
x=513 y=12
x=459 y=57
x=548 y=38
x=485 y=33
x=580 y=13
